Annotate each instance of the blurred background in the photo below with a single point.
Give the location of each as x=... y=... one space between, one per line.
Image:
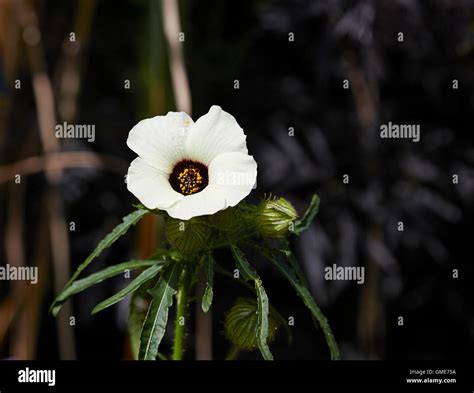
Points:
x=273 y=65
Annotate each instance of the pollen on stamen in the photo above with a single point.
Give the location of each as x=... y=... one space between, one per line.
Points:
x=189 y=177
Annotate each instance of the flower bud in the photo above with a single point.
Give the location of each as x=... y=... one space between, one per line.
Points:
x=241 y=324
x=188 y=237
x=275 y=217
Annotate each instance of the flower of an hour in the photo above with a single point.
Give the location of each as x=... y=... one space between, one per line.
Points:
x=190 y=168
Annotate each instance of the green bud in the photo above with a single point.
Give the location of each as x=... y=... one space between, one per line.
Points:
x=241 y=324
x=275 y=217
x=189 y=237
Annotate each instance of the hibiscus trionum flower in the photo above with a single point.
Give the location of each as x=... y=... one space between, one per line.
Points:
x=190 y=169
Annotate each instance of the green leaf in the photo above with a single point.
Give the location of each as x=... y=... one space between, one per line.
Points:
x=157 y=316
x=143 y=277
x=136 y=316
x=209 y=292
x=285 y=248
x=107 y=241
x=262 y=330
x=280 y=263
x=248 y=273
x=304 y=223
x=95 y=278
x=158 y=212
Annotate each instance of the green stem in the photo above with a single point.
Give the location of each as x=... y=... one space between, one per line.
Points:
x=180 y=329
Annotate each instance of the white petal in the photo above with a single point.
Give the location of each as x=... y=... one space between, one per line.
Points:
x=235 y=174
x=151 y=186
x=208 y=201
x=215 y=133
x=160 y=140
x=231 y=178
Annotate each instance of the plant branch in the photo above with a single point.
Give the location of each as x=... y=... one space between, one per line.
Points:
x=180 y=326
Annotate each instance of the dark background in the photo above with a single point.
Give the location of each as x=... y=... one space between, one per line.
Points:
x=283 y=84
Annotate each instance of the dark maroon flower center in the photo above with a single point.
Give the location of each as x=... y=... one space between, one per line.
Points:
x=189 y=177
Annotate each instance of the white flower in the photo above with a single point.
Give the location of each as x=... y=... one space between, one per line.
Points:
x=190 y=169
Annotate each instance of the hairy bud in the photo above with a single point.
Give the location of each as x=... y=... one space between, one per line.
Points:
x=275 y=217
x=241 y=324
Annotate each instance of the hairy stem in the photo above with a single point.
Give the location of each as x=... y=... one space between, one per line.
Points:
x=180 y=326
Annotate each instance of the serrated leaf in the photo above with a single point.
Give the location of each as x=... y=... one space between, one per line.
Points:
x=209 y=292
x=291 y=258
x=156 y=319
x=106 y=242
x=136 y=316
x=248 y=273
x=143 y=277
x=95 y=278
x=278 y=260
x=262 y=330
x=305 y=222
x=285 y=248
